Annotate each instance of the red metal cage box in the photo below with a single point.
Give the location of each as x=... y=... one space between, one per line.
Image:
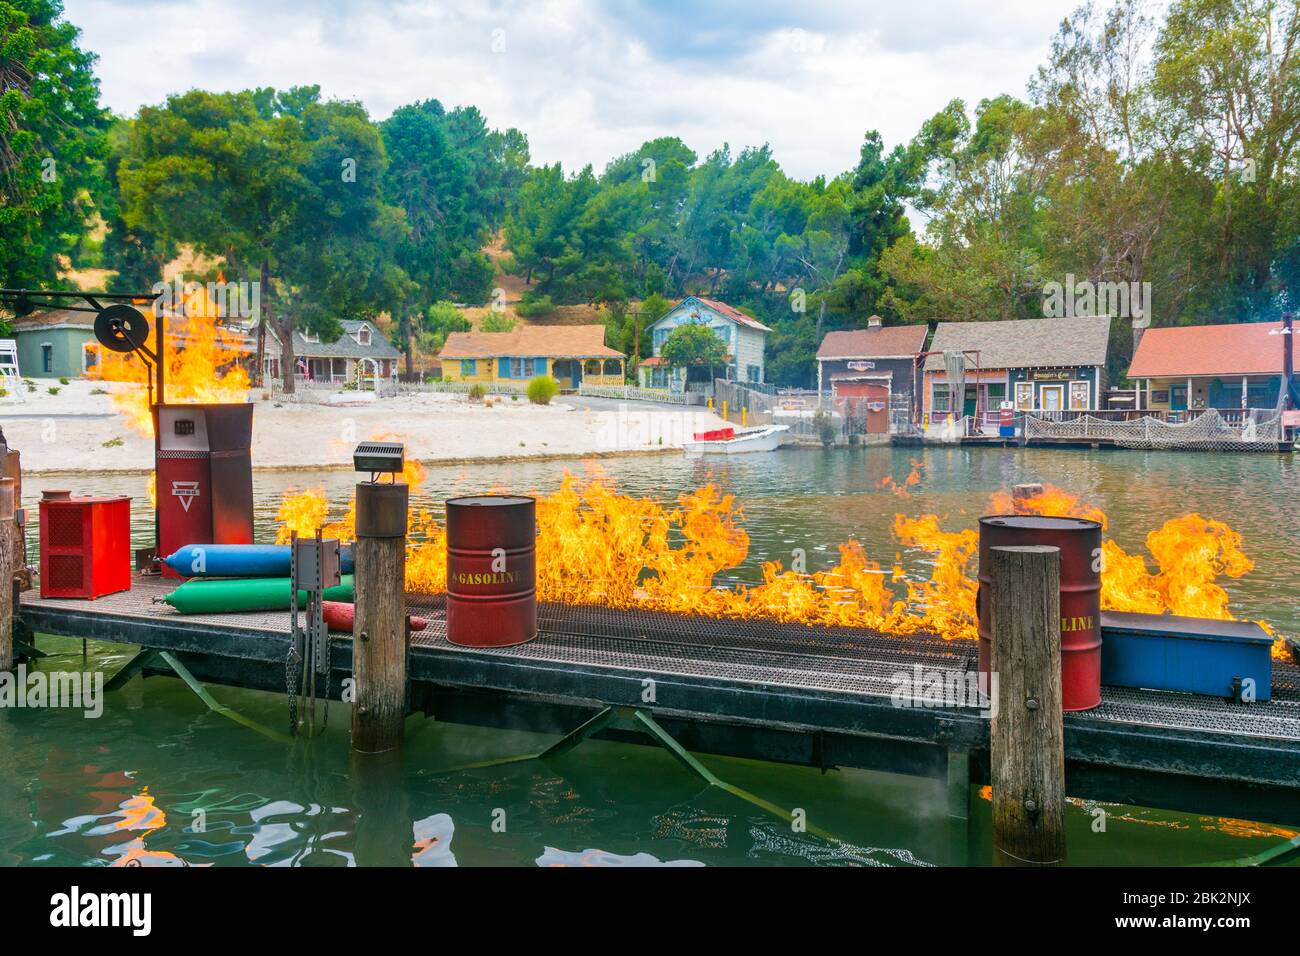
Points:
x=85 y=546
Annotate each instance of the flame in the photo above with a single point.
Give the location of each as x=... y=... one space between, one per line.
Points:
x=903 y=488
x=300 y=511
x=203 y=362
x=617 y=550
x=1191 y=553
x=151 y=489
x=1051 y=502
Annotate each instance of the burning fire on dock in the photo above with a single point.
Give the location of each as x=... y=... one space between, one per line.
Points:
x=616 y=550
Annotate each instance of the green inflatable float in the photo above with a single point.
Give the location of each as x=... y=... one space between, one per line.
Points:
x=220 y=595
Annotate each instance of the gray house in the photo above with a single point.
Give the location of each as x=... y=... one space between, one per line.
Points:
x=361 y=354
x=744 y=337
x=1039 y=365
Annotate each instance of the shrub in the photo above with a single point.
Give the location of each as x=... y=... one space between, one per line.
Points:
x=476 y=392
x=113 y=443
x=496 y=321
x=63 y=381
x=542 y=389
x=531 y=305
x=53 y=389
x=825 y=426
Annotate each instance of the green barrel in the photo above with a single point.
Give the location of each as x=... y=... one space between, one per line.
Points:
x=218 y=595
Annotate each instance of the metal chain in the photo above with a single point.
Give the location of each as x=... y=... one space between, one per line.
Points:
x=291 y=686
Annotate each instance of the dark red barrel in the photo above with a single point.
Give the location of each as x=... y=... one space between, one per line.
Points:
x=491 y=570
x=1079 y=542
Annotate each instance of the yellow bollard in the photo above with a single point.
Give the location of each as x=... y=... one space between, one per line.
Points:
x=724 y=408
x=710 y=403
x=743 y=417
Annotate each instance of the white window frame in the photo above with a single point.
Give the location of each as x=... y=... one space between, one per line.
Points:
x=934 y=398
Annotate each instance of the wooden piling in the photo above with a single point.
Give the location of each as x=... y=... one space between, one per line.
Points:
x=8 y=585
x=1027 y=749
x=379 y=631
x=1022 y=493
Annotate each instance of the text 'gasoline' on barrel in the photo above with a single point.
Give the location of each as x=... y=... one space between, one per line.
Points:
x=491 y=570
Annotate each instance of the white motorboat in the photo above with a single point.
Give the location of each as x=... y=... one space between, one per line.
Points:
x=740 y=441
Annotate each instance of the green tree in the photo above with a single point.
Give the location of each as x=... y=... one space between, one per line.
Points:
x=693 y=344
x=285 y=188
x=51 y=141
x=438 y=321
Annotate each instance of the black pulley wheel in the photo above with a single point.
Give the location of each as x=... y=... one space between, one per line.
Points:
x=121 y=328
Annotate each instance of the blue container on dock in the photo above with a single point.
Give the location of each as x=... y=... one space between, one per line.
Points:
x=1190 y=654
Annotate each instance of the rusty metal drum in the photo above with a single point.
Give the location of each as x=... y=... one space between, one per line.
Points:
x=1079 y=541
x=491 y=570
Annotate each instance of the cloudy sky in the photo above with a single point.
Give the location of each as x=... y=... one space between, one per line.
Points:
x=587 y=80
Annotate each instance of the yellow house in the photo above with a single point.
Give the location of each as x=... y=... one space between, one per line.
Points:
x=573 y=355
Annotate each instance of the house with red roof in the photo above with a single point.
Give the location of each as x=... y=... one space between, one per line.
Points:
x=1235 y=366
x=744 y=336
x=878 y=361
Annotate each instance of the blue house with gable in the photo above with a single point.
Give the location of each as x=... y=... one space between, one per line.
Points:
x=744 y=337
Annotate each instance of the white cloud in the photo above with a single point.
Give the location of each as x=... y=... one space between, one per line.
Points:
x=587 y=80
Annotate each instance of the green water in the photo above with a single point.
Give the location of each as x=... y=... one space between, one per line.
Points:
x=158 y=779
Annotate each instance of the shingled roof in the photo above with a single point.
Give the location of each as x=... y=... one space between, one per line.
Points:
x=345 y=346
x=730 y=312
x=531 y=341
x=1025 y=343
x=53 y=318
x=894 y=341
x=1244 y=348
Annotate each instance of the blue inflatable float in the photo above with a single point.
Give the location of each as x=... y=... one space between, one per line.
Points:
x=239 y=560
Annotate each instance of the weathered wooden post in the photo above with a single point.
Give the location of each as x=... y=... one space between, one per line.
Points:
x=1027 y=748
x=8 y=586
x=379 y=632
x=1023 y=493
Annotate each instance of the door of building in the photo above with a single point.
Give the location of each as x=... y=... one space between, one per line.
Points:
x=1052 y=397
x=865 y=402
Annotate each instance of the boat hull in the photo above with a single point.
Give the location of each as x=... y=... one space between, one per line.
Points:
x=744 y=442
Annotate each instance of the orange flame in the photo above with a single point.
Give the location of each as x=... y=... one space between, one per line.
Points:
x=203 y=363
x=903 y=488
x=616 y=550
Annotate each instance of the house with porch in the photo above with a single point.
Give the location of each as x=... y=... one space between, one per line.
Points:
x=1227 y=367
x=1040 y=365
x=745 y=338
x=573 y=355
x=877 y=363
x=361 y=354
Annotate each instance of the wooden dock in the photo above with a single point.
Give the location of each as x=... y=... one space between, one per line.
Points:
x=786 y=693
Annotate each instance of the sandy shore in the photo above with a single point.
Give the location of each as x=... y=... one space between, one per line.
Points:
x=80 y=429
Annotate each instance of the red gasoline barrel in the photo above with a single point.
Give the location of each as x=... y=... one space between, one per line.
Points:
x=491 y=570
x=1079 y=542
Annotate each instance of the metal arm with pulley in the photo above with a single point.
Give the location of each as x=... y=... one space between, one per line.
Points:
x=119 y=327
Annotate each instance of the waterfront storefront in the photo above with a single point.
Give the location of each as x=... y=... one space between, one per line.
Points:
x=1039 y=365
x=1226 y=367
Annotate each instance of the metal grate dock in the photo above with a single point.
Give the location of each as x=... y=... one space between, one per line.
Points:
x=757 y=654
